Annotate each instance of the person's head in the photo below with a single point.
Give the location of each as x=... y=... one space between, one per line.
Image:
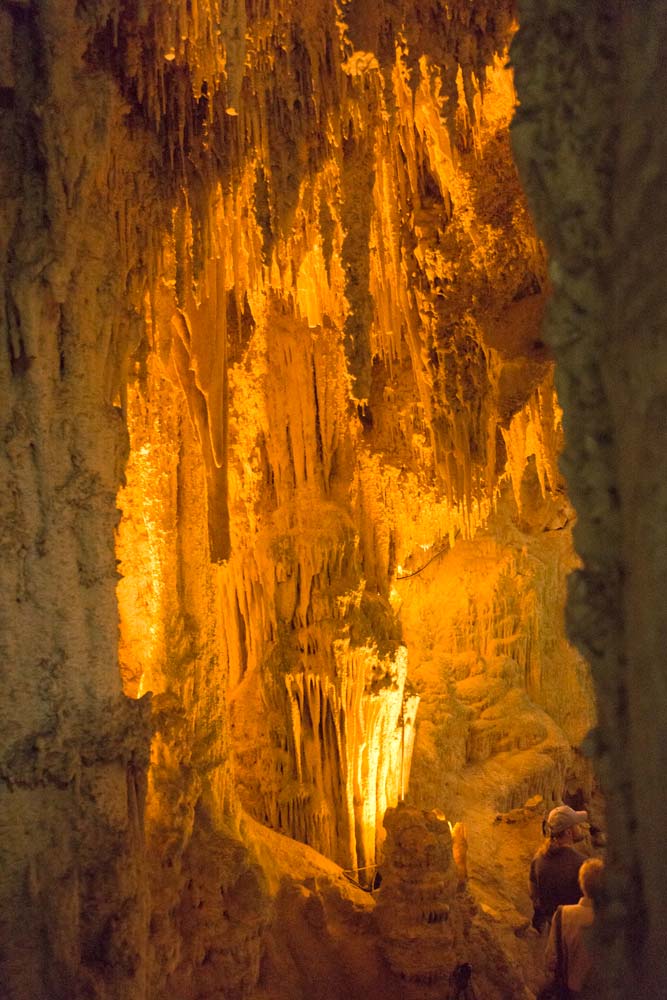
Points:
x=564 y=825
x=591 y=878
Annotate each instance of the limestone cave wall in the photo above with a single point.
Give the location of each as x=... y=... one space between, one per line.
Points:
x=590 y=140
x=285 y=534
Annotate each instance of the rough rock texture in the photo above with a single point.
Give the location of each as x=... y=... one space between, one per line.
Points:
x=434 y=936
x=590 y=139
x=323 y=940
x=270 y=309
x=421 y=920
x=74 y=748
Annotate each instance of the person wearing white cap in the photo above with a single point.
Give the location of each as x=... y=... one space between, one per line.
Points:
x=555 y=868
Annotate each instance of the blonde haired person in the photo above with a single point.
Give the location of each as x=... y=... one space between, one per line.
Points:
x=573 y=934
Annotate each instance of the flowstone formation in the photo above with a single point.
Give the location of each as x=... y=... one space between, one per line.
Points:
x=272 y=301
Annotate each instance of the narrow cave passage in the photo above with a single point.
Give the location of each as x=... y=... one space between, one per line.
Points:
x=288 y=688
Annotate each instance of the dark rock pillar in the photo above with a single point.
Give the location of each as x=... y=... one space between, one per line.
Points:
x=591 y=143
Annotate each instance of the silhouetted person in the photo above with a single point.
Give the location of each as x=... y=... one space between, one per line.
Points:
x=555 y=868
x=461 y=984
x=576 y=921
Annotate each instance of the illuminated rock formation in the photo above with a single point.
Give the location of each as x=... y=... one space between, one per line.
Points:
x=276 y=289
x=426 y=916
x=419 y=915
x=275 y=399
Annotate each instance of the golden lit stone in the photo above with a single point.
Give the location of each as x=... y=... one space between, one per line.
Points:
x=351 y=367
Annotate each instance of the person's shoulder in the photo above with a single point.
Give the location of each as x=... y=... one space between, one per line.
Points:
x=572 y=852
x=570 y=915
x=538 y=859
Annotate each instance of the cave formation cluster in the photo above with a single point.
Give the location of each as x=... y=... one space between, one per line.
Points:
x=285 y=537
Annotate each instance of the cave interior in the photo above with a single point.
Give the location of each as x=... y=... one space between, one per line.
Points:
x=333 y=493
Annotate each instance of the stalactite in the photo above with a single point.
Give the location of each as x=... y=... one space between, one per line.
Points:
x=370 y=719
